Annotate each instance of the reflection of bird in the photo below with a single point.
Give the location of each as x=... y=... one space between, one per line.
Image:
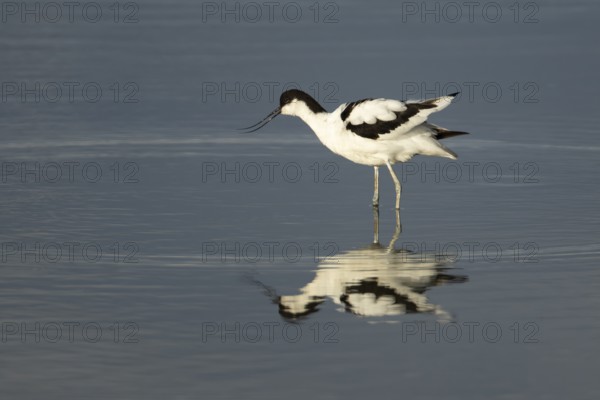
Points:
x=372 y=132
x=375 y=281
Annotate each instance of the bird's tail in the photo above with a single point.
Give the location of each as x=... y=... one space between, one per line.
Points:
x=448 y=134
x=443 y=133
x=436 y=148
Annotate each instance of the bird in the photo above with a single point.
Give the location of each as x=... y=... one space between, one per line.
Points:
x=371 y=131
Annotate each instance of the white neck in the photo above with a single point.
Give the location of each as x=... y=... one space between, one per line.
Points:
x=318 y=122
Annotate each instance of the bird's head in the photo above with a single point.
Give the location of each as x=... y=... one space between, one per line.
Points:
x=292 y=102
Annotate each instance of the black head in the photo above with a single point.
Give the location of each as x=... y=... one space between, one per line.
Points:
x=289 y=105
x=289 y=96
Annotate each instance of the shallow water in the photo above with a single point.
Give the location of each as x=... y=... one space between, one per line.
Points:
x=150 y=251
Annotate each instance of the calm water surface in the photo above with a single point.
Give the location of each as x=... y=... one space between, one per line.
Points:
x=150 y=251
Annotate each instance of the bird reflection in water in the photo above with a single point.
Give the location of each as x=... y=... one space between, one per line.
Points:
x=375 y=281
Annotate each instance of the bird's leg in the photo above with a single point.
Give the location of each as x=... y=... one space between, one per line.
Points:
x=397 y=184
x=397 y=232
x=375 y=225
x=376 y=193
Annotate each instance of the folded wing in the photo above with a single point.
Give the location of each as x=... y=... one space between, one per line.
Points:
x=376 y=118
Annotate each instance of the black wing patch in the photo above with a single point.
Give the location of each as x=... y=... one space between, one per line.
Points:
x=372 y=131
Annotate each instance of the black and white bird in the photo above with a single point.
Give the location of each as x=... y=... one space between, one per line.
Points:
x=372 y=132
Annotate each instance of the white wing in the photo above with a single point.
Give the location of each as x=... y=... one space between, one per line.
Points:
x=371 y=118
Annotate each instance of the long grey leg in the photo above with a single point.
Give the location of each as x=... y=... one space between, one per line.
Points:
x=397 y=233
x=376 y=192
x=397 y=184
x=375 y=225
